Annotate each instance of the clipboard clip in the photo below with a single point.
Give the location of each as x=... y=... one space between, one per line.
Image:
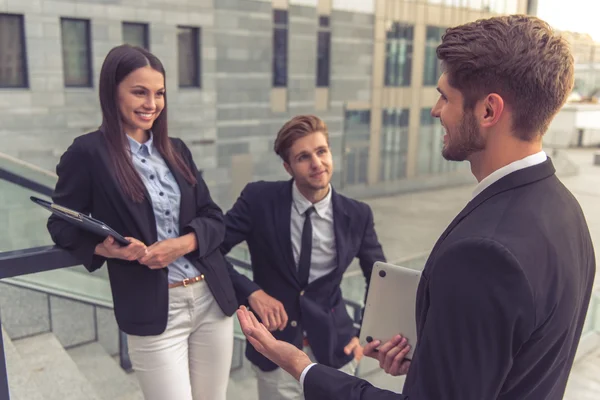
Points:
x=67 y=211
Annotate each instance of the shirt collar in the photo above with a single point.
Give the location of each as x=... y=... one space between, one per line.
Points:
x=302 y=204
x=141 y=148
x=498 y=174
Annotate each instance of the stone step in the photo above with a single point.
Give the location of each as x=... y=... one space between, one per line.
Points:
x=54 y=372
x=245 y=389
x=20 y=382
x=109 y=380
x=242 y=383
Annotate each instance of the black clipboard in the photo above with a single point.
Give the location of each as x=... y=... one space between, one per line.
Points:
x=81 y=220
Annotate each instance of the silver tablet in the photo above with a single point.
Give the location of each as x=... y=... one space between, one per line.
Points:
x=391 y=302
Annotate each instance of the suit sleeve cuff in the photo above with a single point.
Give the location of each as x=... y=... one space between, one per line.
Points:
x=303 y=375
x=245 y=286
x=84 y=252
x=190 y=228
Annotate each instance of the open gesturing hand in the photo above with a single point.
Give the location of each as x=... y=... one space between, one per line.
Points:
x=284 y=354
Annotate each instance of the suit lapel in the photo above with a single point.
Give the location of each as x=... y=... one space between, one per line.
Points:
x=341 y=228
x=283 y=216
x=518 y=178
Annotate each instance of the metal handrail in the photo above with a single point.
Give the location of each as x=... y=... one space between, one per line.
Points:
x=47 y=258
x=21 y=181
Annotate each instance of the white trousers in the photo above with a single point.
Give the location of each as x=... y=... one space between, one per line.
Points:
x=279 y=385
x=191 y=359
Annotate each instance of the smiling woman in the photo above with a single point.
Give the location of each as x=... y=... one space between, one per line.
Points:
x=135 y=78
x=171 y=290
x=141 y=105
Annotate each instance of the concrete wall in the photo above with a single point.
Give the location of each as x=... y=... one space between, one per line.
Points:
x=230 y=122
x=38 y=123
x=246 y=123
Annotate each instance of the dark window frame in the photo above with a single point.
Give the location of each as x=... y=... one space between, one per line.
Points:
x=88 y=45
x=281 y=17
x=393 y=148
x=24 y=64
x=146 y=32
x=324 y=21
x=323 y=78
x=355 y=142
x=280 y=65
x=432 y=32
x=196 y=58
x=323 y=58
x=400 y=35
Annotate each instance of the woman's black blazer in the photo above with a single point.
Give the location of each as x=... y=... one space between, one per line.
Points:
x=87 y=183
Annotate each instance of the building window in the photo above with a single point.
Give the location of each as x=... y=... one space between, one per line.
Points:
x=323 y=52
x=394 y=144
x=399 y=52
x=188 y=54
x=76 y=50
x=357 y=131
x=280 y=48
x=433 y=66
x=429 y=157
x=13 y=61
x=136 y=34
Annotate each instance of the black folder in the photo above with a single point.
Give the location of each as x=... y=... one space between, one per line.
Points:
x=81 y=220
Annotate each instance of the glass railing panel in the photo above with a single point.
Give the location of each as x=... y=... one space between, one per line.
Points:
x=24 y=226
x=23 y=222
x=28 y=171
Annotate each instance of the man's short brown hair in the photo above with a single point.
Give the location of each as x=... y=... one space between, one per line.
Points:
x=518 y=57
x=296 y=128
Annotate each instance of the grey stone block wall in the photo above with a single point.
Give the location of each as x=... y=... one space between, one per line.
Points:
x=244 y=64
x=40 y=122
x=302 y=61
x=352 y=37
x=231 y=114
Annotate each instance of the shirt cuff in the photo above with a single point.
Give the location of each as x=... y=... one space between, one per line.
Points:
x=303 y=375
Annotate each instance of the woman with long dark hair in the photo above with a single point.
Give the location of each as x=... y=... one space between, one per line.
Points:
x=171 y=290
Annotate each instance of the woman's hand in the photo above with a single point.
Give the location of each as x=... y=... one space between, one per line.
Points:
x=111 y=249
x=163 y=253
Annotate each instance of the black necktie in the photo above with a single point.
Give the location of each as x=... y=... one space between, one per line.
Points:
x=306 y=249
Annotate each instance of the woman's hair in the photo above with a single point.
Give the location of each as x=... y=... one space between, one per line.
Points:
x=120 y=62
